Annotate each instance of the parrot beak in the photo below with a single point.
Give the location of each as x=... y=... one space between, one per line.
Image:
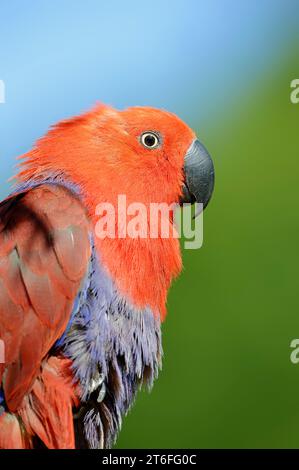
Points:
x=199 y=175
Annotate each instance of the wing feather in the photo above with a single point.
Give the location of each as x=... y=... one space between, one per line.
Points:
x=44 y=256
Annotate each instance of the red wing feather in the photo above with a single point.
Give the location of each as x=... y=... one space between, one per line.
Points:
x=44 y=255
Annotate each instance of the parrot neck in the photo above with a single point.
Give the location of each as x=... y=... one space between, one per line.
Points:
x=142 y=272
x=142 y=268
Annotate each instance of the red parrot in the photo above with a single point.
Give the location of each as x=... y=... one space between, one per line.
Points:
x=80 y=314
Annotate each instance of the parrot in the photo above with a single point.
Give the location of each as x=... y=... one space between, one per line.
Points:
x=81 y=315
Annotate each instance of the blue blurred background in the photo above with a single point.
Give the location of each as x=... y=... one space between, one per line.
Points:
x=225 y=67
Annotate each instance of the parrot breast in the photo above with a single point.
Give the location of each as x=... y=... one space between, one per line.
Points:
x=114 y=349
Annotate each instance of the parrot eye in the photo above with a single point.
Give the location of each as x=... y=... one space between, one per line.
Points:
x=150 y=140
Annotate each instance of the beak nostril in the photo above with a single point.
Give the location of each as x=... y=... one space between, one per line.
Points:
x=199 y=175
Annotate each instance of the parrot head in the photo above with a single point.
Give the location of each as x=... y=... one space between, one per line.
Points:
x=149 y=155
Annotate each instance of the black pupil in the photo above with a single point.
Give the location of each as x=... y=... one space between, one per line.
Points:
x=150 y=140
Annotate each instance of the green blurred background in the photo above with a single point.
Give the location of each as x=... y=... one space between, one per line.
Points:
x=226 y=68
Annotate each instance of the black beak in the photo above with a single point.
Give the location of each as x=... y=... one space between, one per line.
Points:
x=199 y=175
